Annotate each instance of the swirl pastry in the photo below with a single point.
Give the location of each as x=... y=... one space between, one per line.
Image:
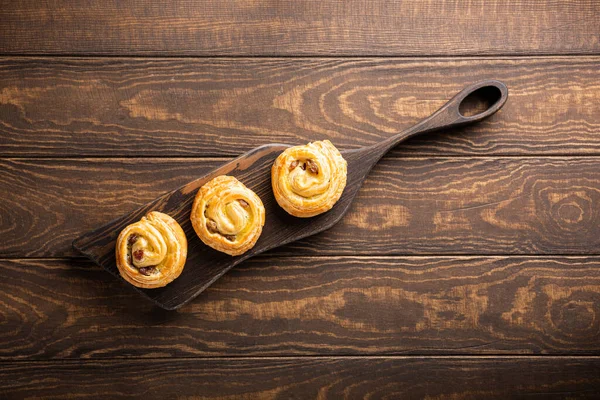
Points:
x=151 y=253
x=228 y=216
x=308 y=180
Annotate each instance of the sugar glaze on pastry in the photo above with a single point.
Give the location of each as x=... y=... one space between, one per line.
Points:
x=308 y=180
x=151 y=253
x=228 y=216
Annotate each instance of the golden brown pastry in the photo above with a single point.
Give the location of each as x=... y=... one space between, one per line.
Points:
x=151 y=253
x=228 y=216
x=308 y=180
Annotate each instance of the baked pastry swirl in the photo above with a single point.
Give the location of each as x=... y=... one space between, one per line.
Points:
x=308 y=180
x=228 y=216
x=151 y=253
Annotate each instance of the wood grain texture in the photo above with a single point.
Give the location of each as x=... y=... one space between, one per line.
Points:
x=72 y=309
x=217 y=107
x=407 y=206
x=332 y=316
x=300 y=27
x=306 y=378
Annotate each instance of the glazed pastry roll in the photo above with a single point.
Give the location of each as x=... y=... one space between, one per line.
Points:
x=151 y=253
x=308 y=180
x=228 y=216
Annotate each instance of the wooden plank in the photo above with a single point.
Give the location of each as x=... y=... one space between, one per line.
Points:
x=306 y=378
x=508 y=205
x=300 y=27
x=216 y=107
x=72 y=309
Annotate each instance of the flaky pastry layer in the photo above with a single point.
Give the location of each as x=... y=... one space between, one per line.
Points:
x=308 y=180
x=151 y=253
x=228 y=216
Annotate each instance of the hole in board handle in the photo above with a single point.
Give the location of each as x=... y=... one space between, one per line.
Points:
x=479 y=101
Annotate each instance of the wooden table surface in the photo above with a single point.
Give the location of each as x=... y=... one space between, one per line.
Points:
x=468 y=267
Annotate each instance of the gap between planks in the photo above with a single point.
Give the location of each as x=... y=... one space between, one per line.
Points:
x=390 y=155
x=370 y=256
x=309 y=357
x=473 y=56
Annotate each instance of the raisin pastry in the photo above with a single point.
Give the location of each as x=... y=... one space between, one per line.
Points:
x=308 y=180
x=151 y=253
x=228 y=216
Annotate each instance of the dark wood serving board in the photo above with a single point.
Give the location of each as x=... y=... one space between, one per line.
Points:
x=205 y=265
